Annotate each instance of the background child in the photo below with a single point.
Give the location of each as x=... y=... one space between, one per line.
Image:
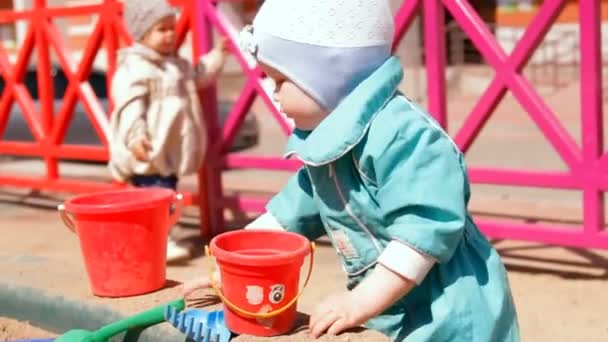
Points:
x=157 y=132
x=380 y=178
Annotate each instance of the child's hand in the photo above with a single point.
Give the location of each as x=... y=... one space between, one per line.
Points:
x=140 y=149
x=376 y=293
x=336 y=314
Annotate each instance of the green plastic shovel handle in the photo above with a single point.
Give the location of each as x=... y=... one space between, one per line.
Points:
x=141 y=320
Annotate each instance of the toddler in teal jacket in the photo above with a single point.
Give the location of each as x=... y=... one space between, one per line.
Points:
x=380 y=178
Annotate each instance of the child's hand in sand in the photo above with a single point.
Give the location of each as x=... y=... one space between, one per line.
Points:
x=337 y=314
x=376 y=293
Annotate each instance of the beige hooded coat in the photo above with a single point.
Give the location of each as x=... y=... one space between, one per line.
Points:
x=155 y=96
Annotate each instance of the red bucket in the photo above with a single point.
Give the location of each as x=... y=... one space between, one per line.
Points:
x=260 y=272
x=123 y=237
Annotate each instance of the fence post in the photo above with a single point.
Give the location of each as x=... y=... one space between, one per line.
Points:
x=209 y=180
x=591 y=113
x=434 y=41
x=110 y=36
x=45 y=87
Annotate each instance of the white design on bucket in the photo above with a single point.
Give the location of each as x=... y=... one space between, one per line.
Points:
x=277 y=293
x=255 y=295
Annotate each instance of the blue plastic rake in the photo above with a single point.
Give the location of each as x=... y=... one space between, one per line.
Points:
x=199 y=325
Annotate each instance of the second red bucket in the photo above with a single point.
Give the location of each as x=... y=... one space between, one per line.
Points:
x=260 y=272
x=123 y=237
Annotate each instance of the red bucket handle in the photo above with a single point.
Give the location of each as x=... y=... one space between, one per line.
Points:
x=176 y=212
x=250 y=314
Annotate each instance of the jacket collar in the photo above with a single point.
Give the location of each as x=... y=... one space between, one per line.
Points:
x=346 y=126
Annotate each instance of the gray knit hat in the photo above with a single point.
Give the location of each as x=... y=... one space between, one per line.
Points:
x=141 y=15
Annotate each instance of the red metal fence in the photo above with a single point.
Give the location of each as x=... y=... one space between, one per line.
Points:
x=49 y=127
x=587 y=163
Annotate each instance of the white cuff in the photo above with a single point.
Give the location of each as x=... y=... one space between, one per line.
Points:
x=406 y=261
x=266 y=221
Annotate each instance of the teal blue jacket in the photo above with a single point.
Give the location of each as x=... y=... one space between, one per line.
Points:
x=379 y=169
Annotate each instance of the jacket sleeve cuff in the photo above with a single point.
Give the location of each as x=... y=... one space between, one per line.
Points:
x=266 y=221
x=406 y=261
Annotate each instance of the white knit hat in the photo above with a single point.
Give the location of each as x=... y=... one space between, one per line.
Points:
x=326 y=47
x=330 y=23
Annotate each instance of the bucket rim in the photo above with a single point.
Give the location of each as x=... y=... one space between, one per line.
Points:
x=154 y=196
x=223 y=255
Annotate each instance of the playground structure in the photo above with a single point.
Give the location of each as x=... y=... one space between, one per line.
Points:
x=587 y=163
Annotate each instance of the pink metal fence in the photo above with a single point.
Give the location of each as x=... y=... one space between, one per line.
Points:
x=587 y=164
x=587 y=170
